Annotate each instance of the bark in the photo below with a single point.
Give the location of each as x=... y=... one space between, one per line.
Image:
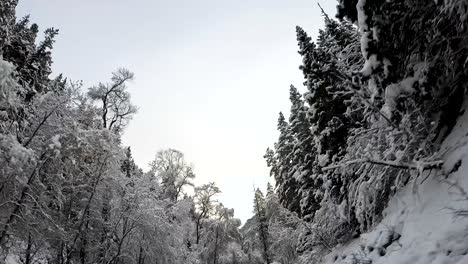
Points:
x=141 y=253
x=202 y=215
x=28 y=258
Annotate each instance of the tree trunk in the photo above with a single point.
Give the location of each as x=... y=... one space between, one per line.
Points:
x=198 y=230
x=202 y=214
x=105 y=219
x=141 y=258
x=59 y=259
x=262 y=231
x=84 y=244
x=141 y=253
x=28 y=258
x=20 y=201
x=215 y=259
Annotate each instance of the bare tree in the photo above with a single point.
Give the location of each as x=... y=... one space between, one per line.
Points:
x=116 y=106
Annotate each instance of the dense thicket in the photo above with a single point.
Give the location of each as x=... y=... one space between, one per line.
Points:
x=384 y=86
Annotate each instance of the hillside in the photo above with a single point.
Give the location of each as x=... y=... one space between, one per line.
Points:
x=426 y=222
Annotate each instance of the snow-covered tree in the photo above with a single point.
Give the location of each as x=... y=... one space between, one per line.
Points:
x=260 y=213
x=114 y=100
x=221 y=237
x=173 y=171
x=206 y=202
x=279 y=160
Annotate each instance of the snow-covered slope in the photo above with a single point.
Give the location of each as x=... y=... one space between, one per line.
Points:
x=421 y=224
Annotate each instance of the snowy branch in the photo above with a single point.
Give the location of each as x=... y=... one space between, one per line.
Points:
x=419 y=165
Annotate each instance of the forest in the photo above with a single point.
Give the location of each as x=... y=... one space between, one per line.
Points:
x=369 y=165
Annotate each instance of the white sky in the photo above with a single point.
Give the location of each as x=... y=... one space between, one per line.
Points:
x=211 y=75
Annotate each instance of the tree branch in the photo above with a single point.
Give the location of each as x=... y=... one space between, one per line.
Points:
x=421 y=165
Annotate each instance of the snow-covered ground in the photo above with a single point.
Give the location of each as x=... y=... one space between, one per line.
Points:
x=420 y=225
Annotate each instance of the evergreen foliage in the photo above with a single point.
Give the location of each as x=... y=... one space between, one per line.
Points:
x=378 y=101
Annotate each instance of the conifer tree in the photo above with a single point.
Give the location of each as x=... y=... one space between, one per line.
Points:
x=280 y=162
x=128 y=164
x=7 y=20
x=326 y=111
x=303 y=168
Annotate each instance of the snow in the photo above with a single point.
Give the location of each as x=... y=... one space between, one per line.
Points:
x=7 y=84
x=12 y=260
x=362 y=16
x=17 y=154
x=323 y=159
x=369 y=65
x=6 y=69
x=55 y=142
x=55 y=145
x=421 y=227
x=362 y=202
x=342 y=210
x=372 y=85
x=387 y=65
x=371 y=62
x=375 y=33
x=393 y=91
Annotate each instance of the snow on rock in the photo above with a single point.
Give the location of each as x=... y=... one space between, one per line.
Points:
x=422 y=228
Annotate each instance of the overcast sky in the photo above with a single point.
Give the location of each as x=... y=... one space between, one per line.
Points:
x=211 y=75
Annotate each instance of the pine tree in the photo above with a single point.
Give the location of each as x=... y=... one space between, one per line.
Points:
x=33 y=62
x=326 y=110
x=270 y=191
x=280 y=162
x=128 y=164
x=303 y=156
x=303 y=149
x=7 y=20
